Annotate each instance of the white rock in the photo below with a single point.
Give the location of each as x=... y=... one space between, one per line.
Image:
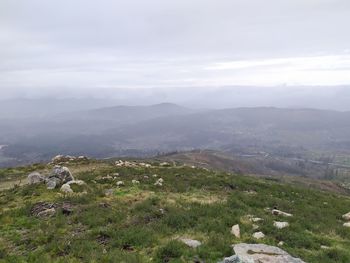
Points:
x=159 y=182
x=191 y=242
x=235 y=230
x=256 y=219
x=346 y=224
x=346 y=217
x=135 y=182
x=324 y=247
x=65 y=188
x=281 y=243
x=77 y=182
x=280 y=225
x=258 y=235
x=35 y=178
x=280 y=213
x=120 y=183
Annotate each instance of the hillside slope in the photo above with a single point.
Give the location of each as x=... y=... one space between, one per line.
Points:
x=107 y=221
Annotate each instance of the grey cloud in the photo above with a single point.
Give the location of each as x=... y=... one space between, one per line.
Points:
x=140 y=43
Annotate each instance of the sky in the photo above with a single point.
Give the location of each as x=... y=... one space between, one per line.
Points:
x=71 y=46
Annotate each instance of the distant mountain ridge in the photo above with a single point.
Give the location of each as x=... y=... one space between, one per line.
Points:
x=148 y=130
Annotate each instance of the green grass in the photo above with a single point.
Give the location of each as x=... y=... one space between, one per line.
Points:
x=142 y=223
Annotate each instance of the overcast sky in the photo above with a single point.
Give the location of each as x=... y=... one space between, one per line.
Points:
x=79 y=44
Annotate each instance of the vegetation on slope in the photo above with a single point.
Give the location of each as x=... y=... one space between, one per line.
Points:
x=142 y=222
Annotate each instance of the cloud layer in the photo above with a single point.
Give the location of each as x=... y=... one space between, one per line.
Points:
x=159 y=43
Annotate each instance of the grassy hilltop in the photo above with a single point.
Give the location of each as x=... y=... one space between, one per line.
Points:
x=103 y=222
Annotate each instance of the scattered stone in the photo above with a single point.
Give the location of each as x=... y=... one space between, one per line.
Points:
x=324 y=247
x=65 y=188
x=135 y=182
x=47 y=213
x=277 y=212
x=35 y=178
x=191 y=242
x=59 y=175
x=280 y=225
x=254 y=253
x=164 y=164
x=281 y=243
x=346 y=224
x=346 y=217
x=77 y=182
x=235 y=230
x=43 y=209
x=258 y=235
x=59 y=159
x=109 y=192
x=155 y=175
x=256 y=219
x=52 y=182
x=159 y=182
x=255 y=227
x=120 y=183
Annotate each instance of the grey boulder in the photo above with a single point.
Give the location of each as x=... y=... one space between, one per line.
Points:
x=59 y=175
x=260 y=253
x=35 y=178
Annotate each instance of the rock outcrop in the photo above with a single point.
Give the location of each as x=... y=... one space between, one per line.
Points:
x=59 y=175
x=260 y=253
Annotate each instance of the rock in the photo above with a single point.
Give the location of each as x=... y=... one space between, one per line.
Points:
x=77 y=182
x=159 y=182
x=135 y=182
x=59 y=175
x=47 y=212
x=43 y=209
x=260 y=253
x=65 y=188
x=109 y=192
x=256 y=219
x=154 y=175
x=280 y=225
x=258 y=235
x=346 y=224
x=35 y=178
x=255 y=226
x=277 y=212
x=236 y=231
x=191 y=242
x=281 y=243
x=120 y=183
x=233 y=259
x=346 y=217
x=52 y=182
x=324 y=247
